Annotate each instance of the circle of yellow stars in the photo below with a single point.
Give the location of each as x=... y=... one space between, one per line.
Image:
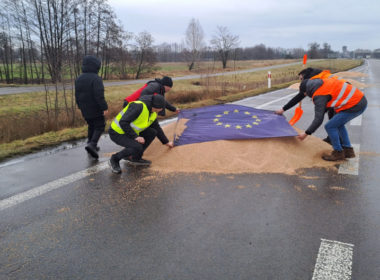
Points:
x=251 y=121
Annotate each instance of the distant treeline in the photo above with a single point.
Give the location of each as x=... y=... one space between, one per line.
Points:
x=45 y=40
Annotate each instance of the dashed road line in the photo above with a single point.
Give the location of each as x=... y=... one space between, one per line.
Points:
x=357 y=121
x=334 y=261
x=351 y=165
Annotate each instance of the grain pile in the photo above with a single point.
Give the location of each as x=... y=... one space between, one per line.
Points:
x=272 y=155
x=295 y=86
x=350 y=74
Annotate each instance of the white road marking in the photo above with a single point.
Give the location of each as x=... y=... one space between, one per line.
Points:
x=334 y=261
x=351 y=165
x=356 y=121
x=37 y=191
x=276 y=100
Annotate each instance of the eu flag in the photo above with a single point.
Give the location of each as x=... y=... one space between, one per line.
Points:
x=229 y=121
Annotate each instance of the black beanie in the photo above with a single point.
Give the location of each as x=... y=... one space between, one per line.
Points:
x=158 y=101
x=167 y=81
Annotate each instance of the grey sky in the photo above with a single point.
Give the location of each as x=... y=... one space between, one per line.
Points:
x=275 y=23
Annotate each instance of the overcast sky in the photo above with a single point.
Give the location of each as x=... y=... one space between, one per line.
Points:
x=275 y=23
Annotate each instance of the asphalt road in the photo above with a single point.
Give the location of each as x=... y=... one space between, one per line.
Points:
x=28 y=89
x=63 y=216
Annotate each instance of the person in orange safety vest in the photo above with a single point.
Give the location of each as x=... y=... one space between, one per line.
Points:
x=347 y=101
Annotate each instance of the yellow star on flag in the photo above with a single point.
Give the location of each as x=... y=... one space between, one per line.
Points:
x=218 y=116
x=255 y=123
x=248 y=125
x=238 y=127
x=255 y=117
x=247 y=113
x=236 y=111
x=219 y=123
x=226 y=112
x=216 y=120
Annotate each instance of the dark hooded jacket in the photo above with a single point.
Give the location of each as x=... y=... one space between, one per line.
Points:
x=307 y=74
x=156 y=87
x=89 y=89
x=132 y=113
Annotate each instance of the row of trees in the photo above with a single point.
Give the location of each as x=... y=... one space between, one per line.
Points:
x=45 y=40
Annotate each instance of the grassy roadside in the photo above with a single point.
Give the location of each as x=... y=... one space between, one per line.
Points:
x=185 y=94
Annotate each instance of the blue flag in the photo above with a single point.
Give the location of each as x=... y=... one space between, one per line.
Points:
x=229 y=121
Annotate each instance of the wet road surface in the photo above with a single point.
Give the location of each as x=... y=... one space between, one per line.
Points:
x=93 y=224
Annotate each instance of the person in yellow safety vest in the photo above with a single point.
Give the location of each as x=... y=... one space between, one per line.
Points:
x=134 y=128
x=348 y=103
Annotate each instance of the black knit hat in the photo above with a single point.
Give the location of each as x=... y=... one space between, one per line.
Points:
x=158 y=101
x=309 y=72
x=167 y=81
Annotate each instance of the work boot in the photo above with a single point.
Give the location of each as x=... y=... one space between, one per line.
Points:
x=114 y=164
x=91 y=149
x=138 y=162
x=349 y=152
x=334 y=156
x=97 y=148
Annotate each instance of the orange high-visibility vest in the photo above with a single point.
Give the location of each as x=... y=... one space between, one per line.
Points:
x=326 y=74
x=323 y=75
x=344 y=95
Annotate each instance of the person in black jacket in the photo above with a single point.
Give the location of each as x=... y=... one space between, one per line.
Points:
x=89 y=96
x=304 y=74
x=158 y=86
x=134 y=128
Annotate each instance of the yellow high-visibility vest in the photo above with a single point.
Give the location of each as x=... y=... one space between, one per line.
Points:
x=143 y=121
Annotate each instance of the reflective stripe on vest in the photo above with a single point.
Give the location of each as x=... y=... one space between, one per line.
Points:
x=142 y=122
x=343 y=95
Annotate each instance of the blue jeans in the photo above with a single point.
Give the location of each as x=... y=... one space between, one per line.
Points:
x=335 y=128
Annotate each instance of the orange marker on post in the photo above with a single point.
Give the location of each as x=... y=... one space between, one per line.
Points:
x=304 y=59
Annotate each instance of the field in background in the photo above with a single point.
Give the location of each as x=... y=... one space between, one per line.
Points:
x=24 y=119
x=205 y=67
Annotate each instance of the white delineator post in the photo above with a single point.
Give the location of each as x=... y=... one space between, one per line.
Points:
x=269 y=77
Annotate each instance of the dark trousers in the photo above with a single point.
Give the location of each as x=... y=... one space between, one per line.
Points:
x=131 y=146
x=95 y=129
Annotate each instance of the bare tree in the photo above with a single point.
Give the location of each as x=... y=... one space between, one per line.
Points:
x=52 y=22
x=6 y=43
x=223 y=42
x=326 y=50
x=144 y=55
x=313 y=51
x=194 y=42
